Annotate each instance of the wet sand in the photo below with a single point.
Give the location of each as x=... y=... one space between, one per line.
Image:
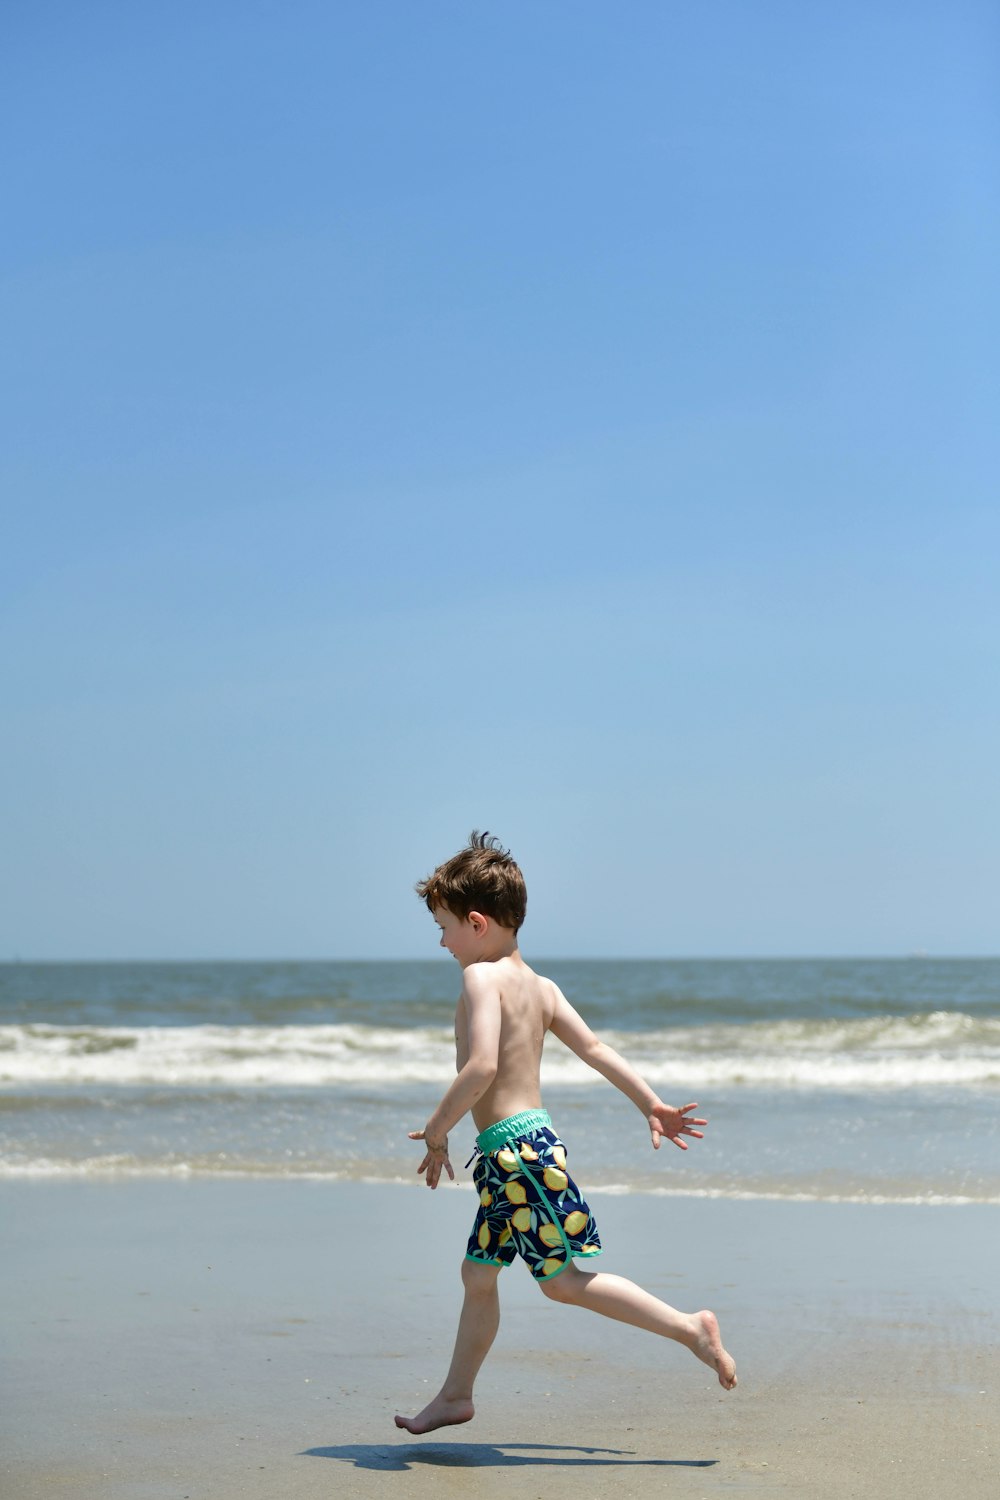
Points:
x=218 y=1338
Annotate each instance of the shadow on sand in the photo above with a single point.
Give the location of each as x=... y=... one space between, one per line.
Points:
x=493 y=1456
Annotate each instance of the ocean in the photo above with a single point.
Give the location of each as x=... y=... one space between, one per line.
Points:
x=837 y=1080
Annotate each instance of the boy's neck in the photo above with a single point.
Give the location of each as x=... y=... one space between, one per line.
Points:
x=500 y=943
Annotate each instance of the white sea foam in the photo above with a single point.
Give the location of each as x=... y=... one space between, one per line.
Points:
x=116 y=1167
x=942 y=1048
x=237 y=1056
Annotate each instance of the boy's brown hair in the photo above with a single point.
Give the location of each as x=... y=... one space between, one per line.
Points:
x=481 y=877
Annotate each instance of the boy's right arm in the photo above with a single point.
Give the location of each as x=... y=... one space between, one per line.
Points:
x=663 y=1119
x=481 y=998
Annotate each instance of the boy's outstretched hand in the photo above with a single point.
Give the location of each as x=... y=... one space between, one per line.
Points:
x=437 y=1157
x=665 y=1121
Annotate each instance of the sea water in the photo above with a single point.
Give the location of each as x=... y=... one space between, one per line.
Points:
x=822 y=1079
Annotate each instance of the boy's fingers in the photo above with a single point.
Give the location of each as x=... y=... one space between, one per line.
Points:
x=433 y=1160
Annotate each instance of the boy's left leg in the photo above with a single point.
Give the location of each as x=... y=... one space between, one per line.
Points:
x=615 y=1297
x=477 y=1328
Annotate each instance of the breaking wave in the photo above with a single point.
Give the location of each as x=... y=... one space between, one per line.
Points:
x=941 y=1047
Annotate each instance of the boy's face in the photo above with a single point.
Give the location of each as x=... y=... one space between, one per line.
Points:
x=460 y=935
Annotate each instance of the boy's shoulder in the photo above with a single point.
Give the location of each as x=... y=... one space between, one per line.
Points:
x=506 y=973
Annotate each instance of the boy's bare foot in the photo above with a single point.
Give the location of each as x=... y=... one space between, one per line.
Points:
x=708 y=1348
x=440 y=1413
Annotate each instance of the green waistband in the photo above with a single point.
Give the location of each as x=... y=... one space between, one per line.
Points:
x=510 y=1129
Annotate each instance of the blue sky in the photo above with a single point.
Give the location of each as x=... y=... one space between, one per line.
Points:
x=573 y=420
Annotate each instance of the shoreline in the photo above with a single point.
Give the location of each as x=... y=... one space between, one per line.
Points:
x=115 y=1173
x=223 y=1337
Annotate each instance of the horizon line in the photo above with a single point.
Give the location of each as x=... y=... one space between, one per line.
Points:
x=914 y=955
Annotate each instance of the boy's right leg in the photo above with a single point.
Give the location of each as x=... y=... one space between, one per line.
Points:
x=477 y=1328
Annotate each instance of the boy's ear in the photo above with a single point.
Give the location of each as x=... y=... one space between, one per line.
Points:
x=479 y=923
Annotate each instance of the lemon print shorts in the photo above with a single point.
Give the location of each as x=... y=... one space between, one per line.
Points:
x=528 y=1203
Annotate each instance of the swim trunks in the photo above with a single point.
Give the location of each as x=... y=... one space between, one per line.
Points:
x=528 y=1203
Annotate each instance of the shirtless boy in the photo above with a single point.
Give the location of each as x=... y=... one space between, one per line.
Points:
x=528 y=1204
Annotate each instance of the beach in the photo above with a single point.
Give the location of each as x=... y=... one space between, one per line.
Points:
x=222 y=1277
x=229 y=1337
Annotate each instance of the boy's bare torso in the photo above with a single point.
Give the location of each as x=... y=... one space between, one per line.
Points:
x=527 y=1005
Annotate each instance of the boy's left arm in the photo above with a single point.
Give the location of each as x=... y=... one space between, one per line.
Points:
x=665 y=1121
x=481 y=996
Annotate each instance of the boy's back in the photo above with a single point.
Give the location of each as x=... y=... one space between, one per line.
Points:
x=527 y=1004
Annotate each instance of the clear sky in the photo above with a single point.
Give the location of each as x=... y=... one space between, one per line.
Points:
x=575 y=420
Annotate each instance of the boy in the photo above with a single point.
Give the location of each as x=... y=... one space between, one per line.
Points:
x=528 y=1204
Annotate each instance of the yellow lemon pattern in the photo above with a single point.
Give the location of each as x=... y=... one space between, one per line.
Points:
x=530 y=1206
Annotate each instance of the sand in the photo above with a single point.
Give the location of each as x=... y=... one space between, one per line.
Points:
x=223 y=1338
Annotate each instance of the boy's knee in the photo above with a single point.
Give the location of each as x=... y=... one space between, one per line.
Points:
x=477 y=1278
x=561 y=1288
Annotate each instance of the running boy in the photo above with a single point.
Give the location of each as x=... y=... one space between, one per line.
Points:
x=528 y=1204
